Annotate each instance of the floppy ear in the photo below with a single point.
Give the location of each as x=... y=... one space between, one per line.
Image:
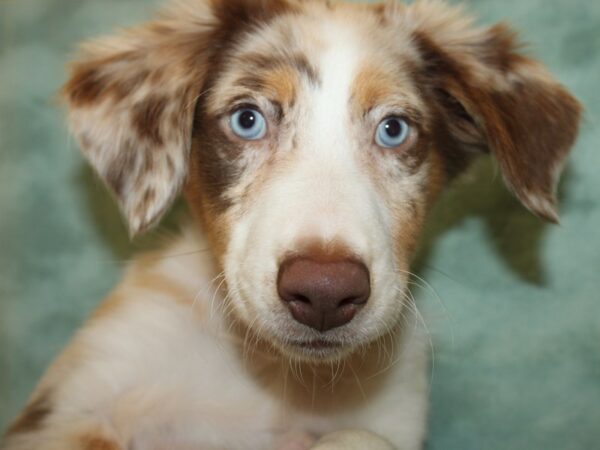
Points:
x=131 y=102
x=495 y=98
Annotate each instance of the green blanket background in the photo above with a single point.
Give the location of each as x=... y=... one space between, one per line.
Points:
x=516 y=334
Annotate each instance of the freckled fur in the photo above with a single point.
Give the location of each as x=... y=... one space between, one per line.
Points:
x=92 y=442
x=193 y=349
x=34 y=415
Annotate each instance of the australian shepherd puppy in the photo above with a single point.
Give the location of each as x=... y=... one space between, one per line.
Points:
x=309 y=138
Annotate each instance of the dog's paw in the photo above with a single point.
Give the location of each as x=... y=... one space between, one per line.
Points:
x=352 y=440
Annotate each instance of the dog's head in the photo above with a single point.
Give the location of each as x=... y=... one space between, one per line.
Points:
x=310 y=139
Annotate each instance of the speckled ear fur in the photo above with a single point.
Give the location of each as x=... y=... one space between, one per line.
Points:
x=497 y=99
x=131 y=102
x=132 y=98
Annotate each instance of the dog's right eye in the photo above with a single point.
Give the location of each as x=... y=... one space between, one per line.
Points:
x=248 y=123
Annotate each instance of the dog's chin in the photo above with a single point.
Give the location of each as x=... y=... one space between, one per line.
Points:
x=315 y=350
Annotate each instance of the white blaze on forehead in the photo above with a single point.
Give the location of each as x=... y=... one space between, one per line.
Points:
x=337 y=65
x=332 y=185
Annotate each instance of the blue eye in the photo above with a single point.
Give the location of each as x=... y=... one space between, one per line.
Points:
x=248 y=124
x=391 y=132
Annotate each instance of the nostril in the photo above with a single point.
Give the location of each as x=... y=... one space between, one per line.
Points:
x=299 y=298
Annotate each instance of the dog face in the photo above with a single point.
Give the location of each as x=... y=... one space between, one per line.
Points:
x=310 y=139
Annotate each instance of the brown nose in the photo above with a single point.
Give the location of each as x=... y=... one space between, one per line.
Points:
x=323 y=295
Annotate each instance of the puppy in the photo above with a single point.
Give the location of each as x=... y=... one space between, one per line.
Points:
x=309 y=138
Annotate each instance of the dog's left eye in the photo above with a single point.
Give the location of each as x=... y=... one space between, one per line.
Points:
x=391 y=132
x=248 y=123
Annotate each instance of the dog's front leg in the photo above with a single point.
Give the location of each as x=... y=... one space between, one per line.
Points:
x=352 y=440
x=61 y=434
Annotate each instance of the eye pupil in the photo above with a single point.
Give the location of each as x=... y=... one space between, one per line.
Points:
x=392 y=132
x=247 y=119
x=248 y=124
x=393 y=128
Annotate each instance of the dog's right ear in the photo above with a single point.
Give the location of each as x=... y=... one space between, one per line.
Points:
x=131 y=103
x=132 y=98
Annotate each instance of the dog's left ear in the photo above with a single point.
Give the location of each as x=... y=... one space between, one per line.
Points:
x=131 y=103
x=495 y=98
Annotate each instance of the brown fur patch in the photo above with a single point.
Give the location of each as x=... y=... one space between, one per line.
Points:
x=147 y=116
x=163 y=285
x=516 y=118
x=210 y=173
x=109 y=306
x=279 y=84
x=329 y=251
x=406 y=235
x=147 y=278
x=211 y=220
x=413 y=155
x=276 y=77
x=97 y=442
x=437 y=177
x=410 y=215
x=372 y=87
x=252 y=82
x=297 y=61
x=499 y=49
x=283 y=83
x=237 y=15
x=452 y=153
x=381 y=12
x=34 y=415
x=541 y=122
x=89 y=83
x=453 y=127
x=303 y=66
x=85 y=86
x=116 y=174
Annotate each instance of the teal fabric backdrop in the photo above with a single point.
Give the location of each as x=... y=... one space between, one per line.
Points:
x=515 y=316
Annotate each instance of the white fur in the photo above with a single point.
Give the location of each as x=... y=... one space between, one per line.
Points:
x=168 y=375
x=166 y=369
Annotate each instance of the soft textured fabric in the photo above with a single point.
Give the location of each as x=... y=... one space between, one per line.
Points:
x=514 y=304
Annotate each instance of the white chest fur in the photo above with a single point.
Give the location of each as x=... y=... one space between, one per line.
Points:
x=162 y=367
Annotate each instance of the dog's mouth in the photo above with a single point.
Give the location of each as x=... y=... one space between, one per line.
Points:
x=316 y=349
x=316 y=344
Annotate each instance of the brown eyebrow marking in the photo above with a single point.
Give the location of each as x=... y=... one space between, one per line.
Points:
x=297 y=61
x=373 y=87
x=276 y=76
x=280 y=85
